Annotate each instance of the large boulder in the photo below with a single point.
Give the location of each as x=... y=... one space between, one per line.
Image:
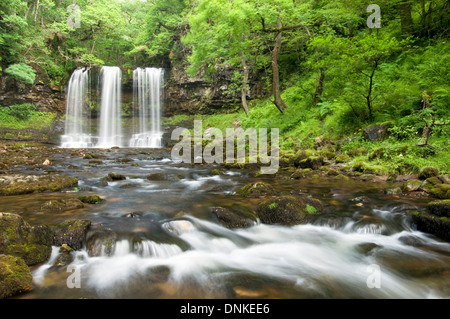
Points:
x=288 y=210
x=15 y=276
x=71 y=232
x=18 y=238
x=376 y=132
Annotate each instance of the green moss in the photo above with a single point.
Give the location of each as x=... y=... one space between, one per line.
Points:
x=256 y=190
x=15 y=276
x=91 y=199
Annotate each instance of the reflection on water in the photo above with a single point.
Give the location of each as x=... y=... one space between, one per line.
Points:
x=168 y=244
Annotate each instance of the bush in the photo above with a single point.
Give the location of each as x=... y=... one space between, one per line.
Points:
x=22 y=73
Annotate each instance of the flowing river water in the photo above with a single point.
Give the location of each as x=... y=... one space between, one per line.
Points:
x=169 y=244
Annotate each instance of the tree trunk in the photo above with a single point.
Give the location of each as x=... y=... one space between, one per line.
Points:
x=244 y=84
x=279 y=103
x=319 y=88
x=405 y=17
x=369 y=94
x=36 y=11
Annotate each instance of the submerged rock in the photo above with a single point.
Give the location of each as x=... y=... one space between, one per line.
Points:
x=62 y=204
x=15 y=276
x=233 y=218
x=288 y=210
x=114 y=177
x=256 y=190
x=18 y=238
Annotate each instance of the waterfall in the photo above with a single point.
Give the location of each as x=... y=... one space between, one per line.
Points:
x=147 y=102
x=77 y=115
x=110 y=126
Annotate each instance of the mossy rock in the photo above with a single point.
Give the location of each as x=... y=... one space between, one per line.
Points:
x=101 y=242
x=20 y=184
x=441 y=191
x=62 y=204
x=91 y=199
x=438 y=226
x=342 y=177
x=412 y=185
x=342 y=158
x=288 y=210
x=233 y=218
x=428 y=172
x=312 y=162
x=357 y=151
x=257 y=189
x=439 y=208
x=15 y=276
x=93 y=156
x=18 y=238
x=215 y=172
x=71 y=232
x=377 y=153
x=393 y=191
x=114 y=177
x=300 y=173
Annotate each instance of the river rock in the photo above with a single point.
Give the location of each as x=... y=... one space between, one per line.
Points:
x=412 y=185
x=234 y=219
x=288 y=210
x=312 y=162
x=101 y=242
x=429 y=223
x=71 y=232
x=18 y=238
x=91 y=199
x=28 y=184
x=428 y=172
x=257 y=189
x=15 y=276
x=62 y=204
x=114 y=177
x=439 y=208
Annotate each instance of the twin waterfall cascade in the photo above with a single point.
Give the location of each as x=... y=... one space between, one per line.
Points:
x=147 y=93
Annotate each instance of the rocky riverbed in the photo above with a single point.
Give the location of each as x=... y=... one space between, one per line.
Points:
x=60 y=203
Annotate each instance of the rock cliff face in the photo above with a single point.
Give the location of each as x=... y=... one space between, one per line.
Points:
x=195 y=95
x=40 y=94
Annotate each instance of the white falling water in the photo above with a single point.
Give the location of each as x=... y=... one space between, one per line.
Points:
x=110 y=126
x=147 y=100
x=77 y=115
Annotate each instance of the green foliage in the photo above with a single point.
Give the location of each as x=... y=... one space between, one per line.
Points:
x=25 y=116
x=22 y=73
